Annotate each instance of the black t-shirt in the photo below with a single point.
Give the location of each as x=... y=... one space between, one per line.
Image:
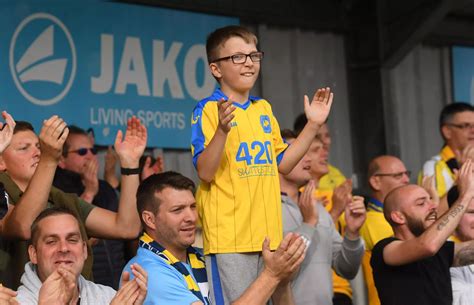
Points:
x=425 y=282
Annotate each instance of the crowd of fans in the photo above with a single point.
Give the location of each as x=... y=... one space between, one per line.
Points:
x=278 y=221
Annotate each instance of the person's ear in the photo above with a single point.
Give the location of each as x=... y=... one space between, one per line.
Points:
x=3 y=166
x=215 y=70
x=374 y=182
x=149 y=219
x=446 y=132
x=398 y=217
x=32 y=254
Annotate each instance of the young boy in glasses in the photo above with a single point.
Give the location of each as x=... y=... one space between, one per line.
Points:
x=238 y=151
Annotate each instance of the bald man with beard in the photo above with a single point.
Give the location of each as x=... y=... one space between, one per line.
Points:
x=413 y=266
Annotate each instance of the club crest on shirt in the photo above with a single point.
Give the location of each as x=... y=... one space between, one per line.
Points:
x=265 y=122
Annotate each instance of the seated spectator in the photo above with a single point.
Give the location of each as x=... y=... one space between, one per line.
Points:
x=413 y=266
x=28 y=177
x=304 y=215
x=78 y=173
x=57 y=255
x=177 y=271
x=385 y=173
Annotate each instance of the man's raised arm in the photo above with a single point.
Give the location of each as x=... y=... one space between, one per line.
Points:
x=125 y=223
x=430 y=241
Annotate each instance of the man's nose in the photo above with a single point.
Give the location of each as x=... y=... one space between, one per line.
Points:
x=63 y=246
x=191 y=215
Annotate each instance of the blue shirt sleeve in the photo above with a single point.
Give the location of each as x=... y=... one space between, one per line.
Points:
x=197 y=135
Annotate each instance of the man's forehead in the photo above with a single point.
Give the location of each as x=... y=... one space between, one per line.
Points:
x=174 y=196
x=24 y=135
x=415 y=193
x=464 y=117
x=63 y=224
x=316 y=143
x=79 y=139
x=389 y=163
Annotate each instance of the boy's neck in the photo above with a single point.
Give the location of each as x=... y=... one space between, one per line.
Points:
x=237 y=97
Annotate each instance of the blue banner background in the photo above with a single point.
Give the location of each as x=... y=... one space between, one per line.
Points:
x=161 y=84
x=463 y=74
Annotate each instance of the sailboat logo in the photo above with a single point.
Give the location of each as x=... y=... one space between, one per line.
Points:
x=42 y=59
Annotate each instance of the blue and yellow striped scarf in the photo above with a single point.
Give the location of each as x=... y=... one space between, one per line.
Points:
x=195 y=260
x=375 y=205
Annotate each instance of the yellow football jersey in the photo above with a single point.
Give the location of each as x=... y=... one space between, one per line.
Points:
x=242 y=205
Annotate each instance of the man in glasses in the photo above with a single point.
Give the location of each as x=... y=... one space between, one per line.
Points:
x=385 y=173
x=456 y=124
x=78 y=173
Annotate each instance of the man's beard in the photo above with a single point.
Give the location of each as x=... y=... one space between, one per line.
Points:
x=415 y=226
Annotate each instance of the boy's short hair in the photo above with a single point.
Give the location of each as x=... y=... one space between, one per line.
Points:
x=216 y=39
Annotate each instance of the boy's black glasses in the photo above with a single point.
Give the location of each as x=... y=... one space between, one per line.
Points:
x=242 y=58
x=83 y=151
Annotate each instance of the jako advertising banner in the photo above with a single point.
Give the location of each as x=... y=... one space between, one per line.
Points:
x=98 y=63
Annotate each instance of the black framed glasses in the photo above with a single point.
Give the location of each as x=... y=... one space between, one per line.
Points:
x=242 y=58
x=462 y=126
x=83 y=151
x=397 y=176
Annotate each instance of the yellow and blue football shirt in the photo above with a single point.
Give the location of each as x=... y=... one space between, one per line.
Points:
x=242 y=205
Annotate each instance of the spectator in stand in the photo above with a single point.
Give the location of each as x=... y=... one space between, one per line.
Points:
x=385 y=173
x=413 y=267
x=57 y=255
x=177 y=270
x=305 y=215
x=29 y=164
